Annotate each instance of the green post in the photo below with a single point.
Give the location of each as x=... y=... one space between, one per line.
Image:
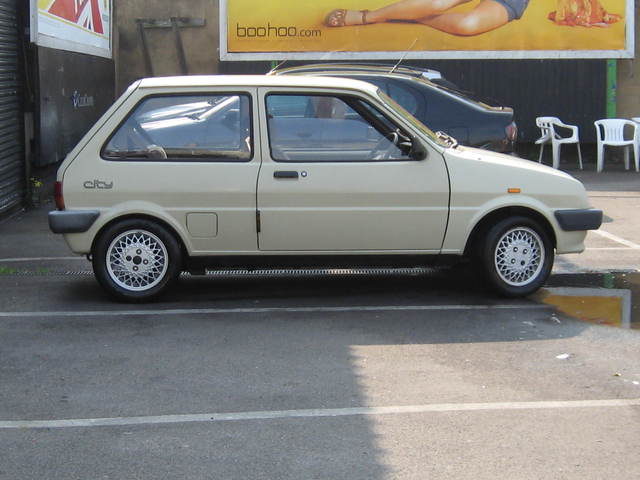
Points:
x=612 y=74
x=608 y=280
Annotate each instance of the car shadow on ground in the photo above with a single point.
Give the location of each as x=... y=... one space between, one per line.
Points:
x=437 y=306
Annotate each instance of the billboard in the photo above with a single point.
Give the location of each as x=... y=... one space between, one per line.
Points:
x=82 y=26
x=425 y=29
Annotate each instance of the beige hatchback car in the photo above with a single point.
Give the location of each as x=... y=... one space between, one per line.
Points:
x=215 y=172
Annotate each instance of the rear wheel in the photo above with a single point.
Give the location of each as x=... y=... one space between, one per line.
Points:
x=135 y=260
x=516 y=256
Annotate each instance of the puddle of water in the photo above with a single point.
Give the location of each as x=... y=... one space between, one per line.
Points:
x=601 y=298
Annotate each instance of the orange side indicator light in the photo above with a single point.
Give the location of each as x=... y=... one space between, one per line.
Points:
x=513 y=190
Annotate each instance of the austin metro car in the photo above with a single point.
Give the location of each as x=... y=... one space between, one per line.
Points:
x=201 y=173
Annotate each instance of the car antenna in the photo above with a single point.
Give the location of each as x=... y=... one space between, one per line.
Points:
x=273 y=69
x=404 y=55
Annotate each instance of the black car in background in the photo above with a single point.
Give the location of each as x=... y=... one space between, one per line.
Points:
x=432 y=99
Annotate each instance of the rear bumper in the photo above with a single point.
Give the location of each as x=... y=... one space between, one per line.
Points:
x=581 y=219
x=72 y=221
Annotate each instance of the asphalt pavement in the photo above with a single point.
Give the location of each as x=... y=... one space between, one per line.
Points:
x=362 y=375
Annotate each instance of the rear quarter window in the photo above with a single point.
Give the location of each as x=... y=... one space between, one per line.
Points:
x=185 y=127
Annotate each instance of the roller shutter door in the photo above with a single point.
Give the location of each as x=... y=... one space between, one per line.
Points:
x=12 y=167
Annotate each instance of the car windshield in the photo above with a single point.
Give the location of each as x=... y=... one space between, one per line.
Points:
x=410 y=118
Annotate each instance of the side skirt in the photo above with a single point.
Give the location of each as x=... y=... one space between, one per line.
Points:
x=199 y=265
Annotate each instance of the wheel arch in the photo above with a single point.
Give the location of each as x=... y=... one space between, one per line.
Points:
x=500 y=214
x=141 y=216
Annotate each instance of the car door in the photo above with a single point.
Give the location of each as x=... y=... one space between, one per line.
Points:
x=334 y=177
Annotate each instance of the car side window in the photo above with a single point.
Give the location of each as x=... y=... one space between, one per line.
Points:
x=185 y=128
x=322 y=128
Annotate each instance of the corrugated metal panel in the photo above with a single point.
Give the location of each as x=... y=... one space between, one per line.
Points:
x=62 y=123
x=11 y=142
x=574 y=90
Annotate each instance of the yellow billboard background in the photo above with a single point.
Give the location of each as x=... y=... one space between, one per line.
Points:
x=284 y=26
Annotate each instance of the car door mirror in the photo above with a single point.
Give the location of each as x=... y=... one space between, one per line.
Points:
x=405 y=144
x=417 y=150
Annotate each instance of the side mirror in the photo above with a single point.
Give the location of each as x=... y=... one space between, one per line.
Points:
x=405 y=144
x=417 y=150
x=410 y=146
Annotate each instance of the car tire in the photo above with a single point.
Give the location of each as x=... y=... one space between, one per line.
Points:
x=135 y=260
x=516 y=256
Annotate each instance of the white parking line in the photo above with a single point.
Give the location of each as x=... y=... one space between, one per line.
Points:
x=610 y=249
x=39 y=259
x=315 y=413
x=214 y=311
x=617 y=239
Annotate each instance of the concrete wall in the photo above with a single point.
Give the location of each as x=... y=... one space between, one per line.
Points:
x=200 y=43
x=628 y=82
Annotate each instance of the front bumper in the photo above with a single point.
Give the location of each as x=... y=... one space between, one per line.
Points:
x=579 y=219
x=72 y=221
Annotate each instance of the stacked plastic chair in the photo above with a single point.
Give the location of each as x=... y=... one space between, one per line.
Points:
x=549 y=130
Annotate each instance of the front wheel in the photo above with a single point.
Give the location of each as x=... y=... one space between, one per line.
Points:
x=516 y=256
x=135 y=260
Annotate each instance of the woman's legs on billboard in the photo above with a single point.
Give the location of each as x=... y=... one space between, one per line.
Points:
x=402 y=10
x=486 y=16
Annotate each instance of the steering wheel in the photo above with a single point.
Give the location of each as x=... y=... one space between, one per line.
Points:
x=389 y=142
x=156 y=152
x=153 y=150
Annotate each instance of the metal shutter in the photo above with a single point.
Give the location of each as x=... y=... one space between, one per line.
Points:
x=12 y=181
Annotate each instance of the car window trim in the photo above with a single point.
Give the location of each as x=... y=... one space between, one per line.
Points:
x=372 y=119
x=194 y=159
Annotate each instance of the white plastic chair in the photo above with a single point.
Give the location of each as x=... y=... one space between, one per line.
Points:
x=549 y=133
x=610 y=132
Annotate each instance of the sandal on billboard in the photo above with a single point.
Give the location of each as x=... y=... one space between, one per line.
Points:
x=341 y=17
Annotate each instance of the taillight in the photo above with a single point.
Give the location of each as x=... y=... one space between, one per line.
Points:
x=57 y=195
x=512 y=131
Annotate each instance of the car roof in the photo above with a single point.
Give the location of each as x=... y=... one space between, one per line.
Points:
x=255 y=81
x=378 y=68
x=440 y=83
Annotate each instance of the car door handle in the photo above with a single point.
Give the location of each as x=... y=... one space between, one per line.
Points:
x=285 y=174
